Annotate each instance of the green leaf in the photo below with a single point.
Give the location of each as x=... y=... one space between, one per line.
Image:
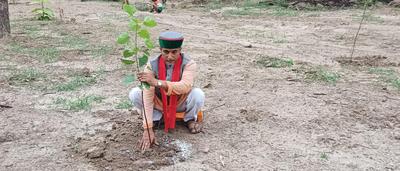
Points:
x=133 y=24
x=149 y=22
x=144 y=34
x=127 y=53
x=49 y=12
x=123 y=38
x=37 y=10
x=144 y=85
x=129 y=9
x=146 y=52
x=149 y=44
x=128 y=79
x=143 y=60
x=127 y=61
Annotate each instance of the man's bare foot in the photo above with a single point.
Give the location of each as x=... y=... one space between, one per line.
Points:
x=194 y=127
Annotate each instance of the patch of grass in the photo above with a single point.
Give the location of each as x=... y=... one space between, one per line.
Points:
x=76 y=83
x=46 y=55
x=3 y=57
x=282 y=11
x=101 y=51
x=32 y=31
x=389 y=76
x=124 y=104
x=43 y=54
x=323 y=75
x=26 y=76
x=277 y=39
x=81 y=103
x=324 y=156
x=369 y=17
x=214 y=4
x=73 y=42
x=313 y=14
x=17 y=48
x=382 y=71
x=396 y=83
x=275 y=62
x=310 y=7
x=238 y=12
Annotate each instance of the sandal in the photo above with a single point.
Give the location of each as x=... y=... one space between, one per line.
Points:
x=194 y=127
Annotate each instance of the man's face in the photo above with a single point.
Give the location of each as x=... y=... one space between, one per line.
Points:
x=170 y=55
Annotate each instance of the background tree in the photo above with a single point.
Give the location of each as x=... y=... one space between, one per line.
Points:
x=4 y=18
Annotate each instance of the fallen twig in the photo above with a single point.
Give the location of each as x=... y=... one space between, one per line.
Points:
x=5 y=106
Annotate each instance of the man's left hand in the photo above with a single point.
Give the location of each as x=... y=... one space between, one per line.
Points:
x=147 y=77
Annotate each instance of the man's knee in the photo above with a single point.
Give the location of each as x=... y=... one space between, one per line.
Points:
x=198 y=96
x=135 y=95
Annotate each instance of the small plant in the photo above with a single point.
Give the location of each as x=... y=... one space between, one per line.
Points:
x=81 y=103
x=322 y=74
x=124 y=104
x=275 y=62
x=43 y=13
x=137 y=29
x=25 y=76
x=324 y=156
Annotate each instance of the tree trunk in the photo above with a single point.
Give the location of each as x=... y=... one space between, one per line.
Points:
x=4 y=19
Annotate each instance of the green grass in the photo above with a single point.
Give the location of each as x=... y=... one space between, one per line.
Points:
x=124 y=104
x=275 y=62
x=282 y=11
x=324 y=156
x=322 y=75
x=238 y=12
x=73 y=42
x=46 y=54
x=32 y=31
x=3 y=57
x=101 y=51
x=389 y=76
x=26 y=76
x=76 y=83
x=214 y=4
x=277 y=39
x=369 y=17
x=81 y=103
x=43 y=54
x=396 y=83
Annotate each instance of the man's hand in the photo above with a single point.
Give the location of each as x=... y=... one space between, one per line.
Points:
x=147 y=77
x=145 y=142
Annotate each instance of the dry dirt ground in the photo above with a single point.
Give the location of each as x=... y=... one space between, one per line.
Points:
x=64 y=104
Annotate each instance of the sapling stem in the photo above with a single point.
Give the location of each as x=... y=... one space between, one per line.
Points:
x=141 y=85
x=359 y=28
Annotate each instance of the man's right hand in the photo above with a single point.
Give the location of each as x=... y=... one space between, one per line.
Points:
x=145 y=142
